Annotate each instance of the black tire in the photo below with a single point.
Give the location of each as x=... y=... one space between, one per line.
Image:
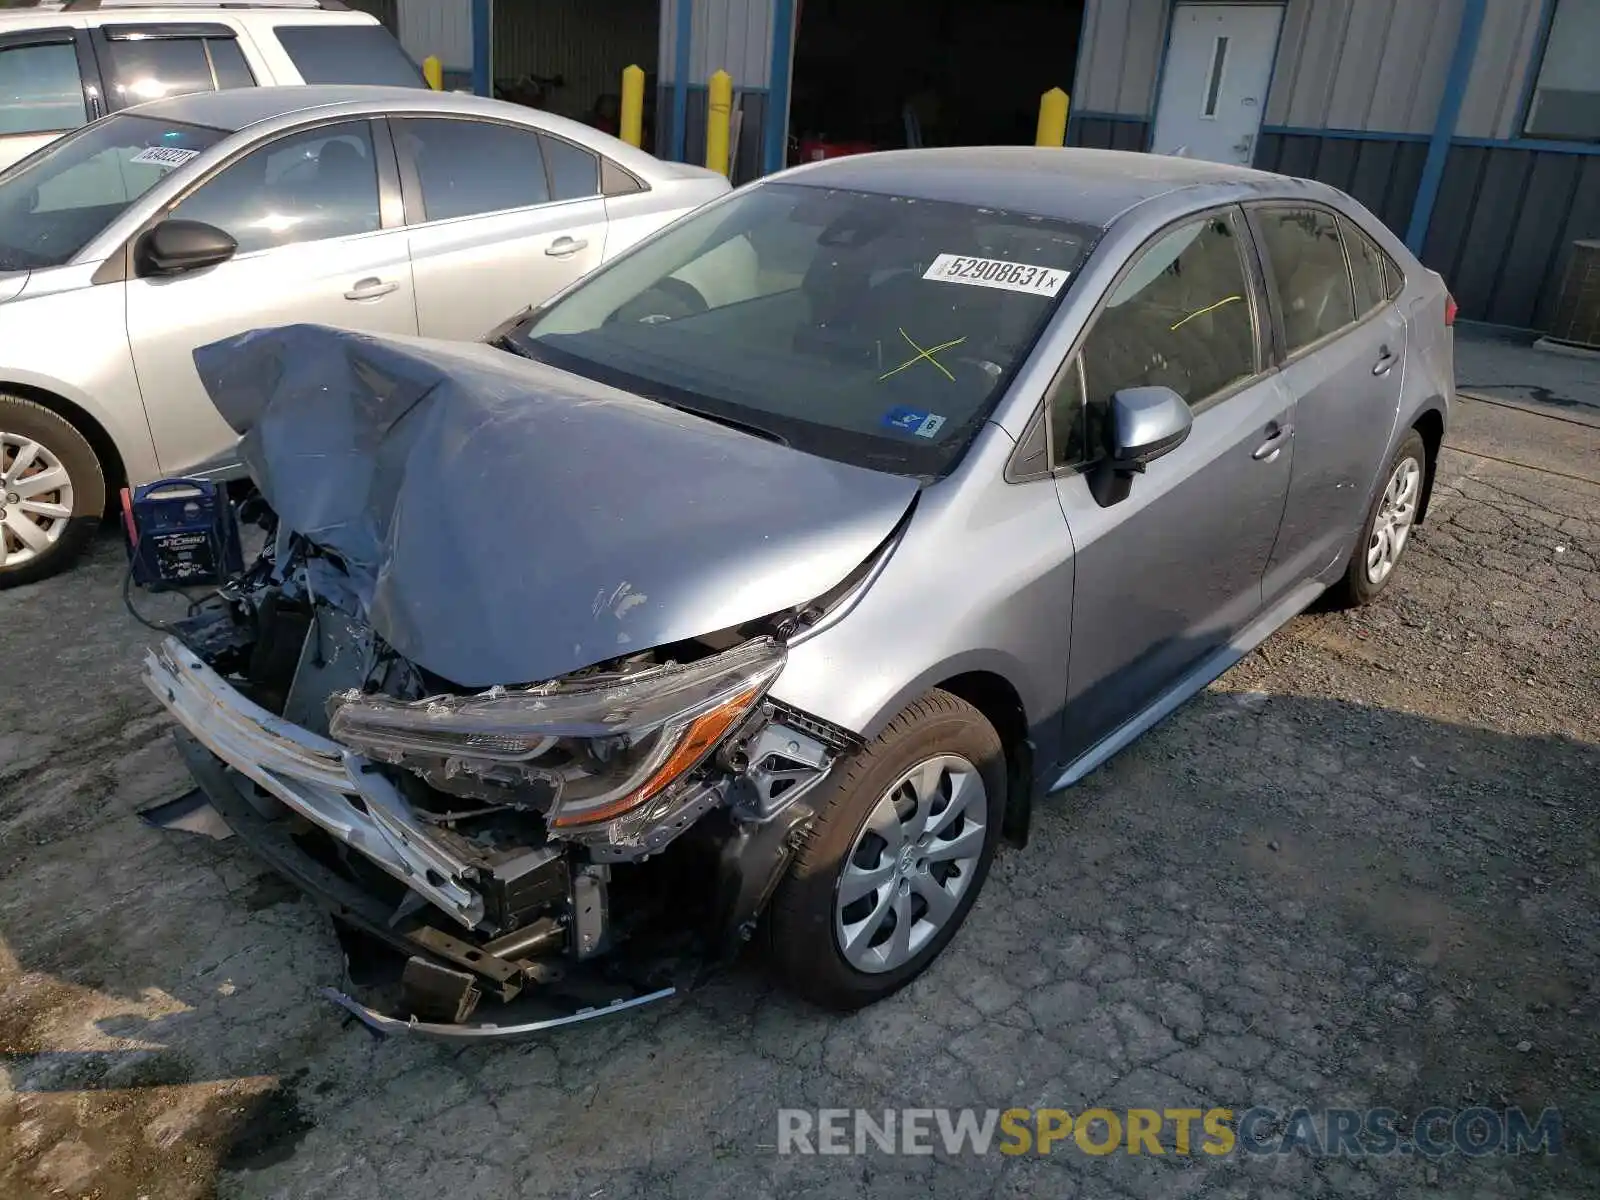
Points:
x=26 y=419
x=800 y=938
x=1357 y=587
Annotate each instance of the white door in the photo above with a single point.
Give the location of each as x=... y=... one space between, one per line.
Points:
x=1214 y=88
x=510 y=217
x=304 y=209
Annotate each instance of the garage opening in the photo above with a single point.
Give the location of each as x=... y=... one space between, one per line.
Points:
x=882 y=74
x=567 y=56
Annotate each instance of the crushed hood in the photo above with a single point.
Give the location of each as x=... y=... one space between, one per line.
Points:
x=505 y=522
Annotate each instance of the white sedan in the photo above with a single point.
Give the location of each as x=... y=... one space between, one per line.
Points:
x=131 y=241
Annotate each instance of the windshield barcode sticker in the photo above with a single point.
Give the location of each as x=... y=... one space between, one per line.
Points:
x=997 y=273
x=164 y=156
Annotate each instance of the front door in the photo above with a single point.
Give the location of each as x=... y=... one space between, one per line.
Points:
x=1173 y=571
x=502 y=217
x=1214 y=87
x=305 y=211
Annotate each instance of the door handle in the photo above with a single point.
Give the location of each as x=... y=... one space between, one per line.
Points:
x=1385 y=363
x=564 y=247
x=1277 y=437
x=371 y=289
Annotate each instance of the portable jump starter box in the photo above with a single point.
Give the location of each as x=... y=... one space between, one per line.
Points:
x=181 y=533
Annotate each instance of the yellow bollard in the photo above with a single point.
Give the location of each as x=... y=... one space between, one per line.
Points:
x=433 y=72
x=1052 y=119
x=631 y=129
x=718 y=116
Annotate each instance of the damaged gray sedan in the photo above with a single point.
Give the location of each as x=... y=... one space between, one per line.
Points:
x=756 y=585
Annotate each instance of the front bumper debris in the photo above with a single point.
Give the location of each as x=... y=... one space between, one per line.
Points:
x=354 y=911
x=507 y=1027
x=322 y=781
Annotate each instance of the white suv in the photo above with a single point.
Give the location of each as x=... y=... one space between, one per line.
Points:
x=65 y=64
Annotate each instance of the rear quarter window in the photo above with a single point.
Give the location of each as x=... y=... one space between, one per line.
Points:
x=348 y=54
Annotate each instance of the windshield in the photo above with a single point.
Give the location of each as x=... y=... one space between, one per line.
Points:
x=54 y=202
x=873 y=329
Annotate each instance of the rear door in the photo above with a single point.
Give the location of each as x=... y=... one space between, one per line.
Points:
x=1344 y=342
x=48 y=86
x=501 y=216
x=1170 y=573
x=316 y=213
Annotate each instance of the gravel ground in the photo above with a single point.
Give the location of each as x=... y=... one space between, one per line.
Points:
x=1360 y=870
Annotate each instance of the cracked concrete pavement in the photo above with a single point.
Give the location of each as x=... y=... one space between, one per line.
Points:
x=1360 y=870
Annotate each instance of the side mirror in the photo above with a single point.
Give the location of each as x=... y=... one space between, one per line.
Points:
x=1145 y=423
x=176 y=246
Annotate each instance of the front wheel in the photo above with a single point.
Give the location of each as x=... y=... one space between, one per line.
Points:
x=52 y=492
x=904 y=835
x=1388 y=527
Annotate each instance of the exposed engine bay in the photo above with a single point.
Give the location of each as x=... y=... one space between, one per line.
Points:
x=496 y=690
x=579 y=841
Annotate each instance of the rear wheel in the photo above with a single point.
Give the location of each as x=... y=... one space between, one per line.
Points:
x=904 y=835
x=52 y=492
x=1389 y=524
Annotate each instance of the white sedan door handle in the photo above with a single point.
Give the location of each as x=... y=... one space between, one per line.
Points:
x=371 y=289
x=564 y=246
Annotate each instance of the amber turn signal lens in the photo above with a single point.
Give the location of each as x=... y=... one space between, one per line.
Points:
x=704 y=732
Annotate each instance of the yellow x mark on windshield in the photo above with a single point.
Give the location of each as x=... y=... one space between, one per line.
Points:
x=923 y=354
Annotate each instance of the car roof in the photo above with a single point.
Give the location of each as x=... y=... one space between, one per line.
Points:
x=263 y=111
x=1092 y=187
x=54 y=14
x=239 y=108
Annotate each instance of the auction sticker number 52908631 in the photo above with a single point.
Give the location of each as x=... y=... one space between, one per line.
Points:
x=996 y=273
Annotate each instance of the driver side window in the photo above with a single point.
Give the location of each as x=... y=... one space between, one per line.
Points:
x=321 y=183
x=1182 y=317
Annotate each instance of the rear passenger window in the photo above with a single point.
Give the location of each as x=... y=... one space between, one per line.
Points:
x=472 y=167
x=1370 y=269
x=1181 y=318
x=40 y=90
x=147 y=67
x=574 y=172
x=348 y=54
x=228 y=65
x=1306 y=260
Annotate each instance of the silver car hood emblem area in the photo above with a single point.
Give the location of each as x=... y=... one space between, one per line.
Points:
x=500 y=521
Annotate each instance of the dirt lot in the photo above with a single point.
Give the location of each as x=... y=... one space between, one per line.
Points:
x=1362 y=869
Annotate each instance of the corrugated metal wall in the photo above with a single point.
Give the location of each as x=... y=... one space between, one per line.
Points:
x=1121 y=56
x=1506 y=50
x=1367 y=65
x=586 y=42
x=1503 y=230
x=728 y=35
x=387 y=11
x=441 y=27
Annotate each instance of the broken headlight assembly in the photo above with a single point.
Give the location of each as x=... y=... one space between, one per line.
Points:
x=585 y=750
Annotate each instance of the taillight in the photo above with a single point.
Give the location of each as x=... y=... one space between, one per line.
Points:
x=1450 y=309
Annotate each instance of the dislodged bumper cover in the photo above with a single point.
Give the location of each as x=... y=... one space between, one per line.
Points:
x=315 y=777
x=507 y=1026
x=528 y=1014
x=503 y=522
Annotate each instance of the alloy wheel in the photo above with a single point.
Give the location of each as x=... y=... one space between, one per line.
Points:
x=35 y=499
x=912 y=862
x=1396 y=514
